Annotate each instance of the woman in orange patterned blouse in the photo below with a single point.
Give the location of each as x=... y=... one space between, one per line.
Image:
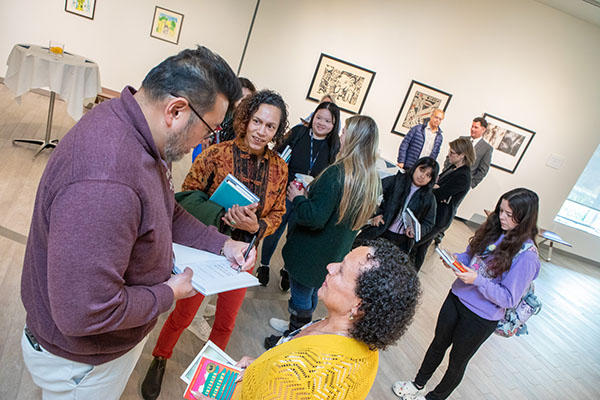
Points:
x=258 y=120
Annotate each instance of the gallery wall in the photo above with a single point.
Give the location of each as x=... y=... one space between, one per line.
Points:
x=519 y=60
x=118 y=38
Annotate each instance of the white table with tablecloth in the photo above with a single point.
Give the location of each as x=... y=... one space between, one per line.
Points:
x=74 y=78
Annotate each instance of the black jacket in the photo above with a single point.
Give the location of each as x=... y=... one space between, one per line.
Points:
x=395 y=190
x=454 y=184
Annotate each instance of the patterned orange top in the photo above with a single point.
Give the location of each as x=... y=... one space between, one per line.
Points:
x=267 y=178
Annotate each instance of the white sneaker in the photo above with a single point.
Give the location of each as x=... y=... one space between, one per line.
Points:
x=210 y=310
x=200 y=328
x=407 y=391
x=280 y=325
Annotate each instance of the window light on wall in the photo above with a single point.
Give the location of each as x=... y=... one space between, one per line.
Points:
x=581 y=210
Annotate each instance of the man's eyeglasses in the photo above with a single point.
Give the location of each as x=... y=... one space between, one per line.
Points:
x=213 y=133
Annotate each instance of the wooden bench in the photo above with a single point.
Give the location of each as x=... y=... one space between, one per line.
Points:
x=547 y=236
x=106 y=94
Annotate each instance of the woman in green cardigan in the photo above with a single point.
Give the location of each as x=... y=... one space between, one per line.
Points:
x=328 y=216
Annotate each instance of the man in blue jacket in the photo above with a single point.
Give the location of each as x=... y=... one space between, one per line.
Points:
x=424 y=140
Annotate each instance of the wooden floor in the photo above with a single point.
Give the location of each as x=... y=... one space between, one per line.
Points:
x=560 y=359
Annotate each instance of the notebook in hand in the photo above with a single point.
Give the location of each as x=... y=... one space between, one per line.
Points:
x=410 y=221
x=450 y=260
x=212 y=272
x=231 y=191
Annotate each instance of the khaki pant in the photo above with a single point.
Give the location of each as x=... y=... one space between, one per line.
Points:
x=62 y=379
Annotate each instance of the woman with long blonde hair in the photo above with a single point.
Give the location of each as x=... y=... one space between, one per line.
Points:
x=327 y=218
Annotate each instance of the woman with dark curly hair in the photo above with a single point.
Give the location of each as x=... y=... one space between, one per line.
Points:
x=259 y=119
x=370 y=298
x=503 y=261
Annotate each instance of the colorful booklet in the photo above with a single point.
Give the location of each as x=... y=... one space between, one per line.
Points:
x=231 y=191
x=450 y=260
x=212 y=373
x=286 y=153
x=212 y=273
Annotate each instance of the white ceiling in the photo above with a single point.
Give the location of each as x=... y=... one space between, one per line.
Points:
x=581 y=9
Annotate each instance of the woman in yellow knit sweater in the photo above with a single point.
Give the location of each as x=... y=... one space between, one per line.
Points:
x=370 y=298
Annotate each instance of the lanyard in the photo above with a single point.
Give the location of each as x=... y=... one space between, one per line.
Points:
x=313 y=160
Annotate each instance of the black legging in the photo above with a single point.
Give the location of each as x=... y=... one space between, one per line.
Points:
x=465 y=331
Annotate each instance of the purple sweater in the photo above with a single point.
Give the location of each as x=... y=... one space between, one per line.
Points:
x=489 y=298
x=99 y=246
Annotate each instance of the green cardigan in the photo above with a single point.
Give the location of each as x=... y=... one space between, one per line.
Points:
x=315 y=239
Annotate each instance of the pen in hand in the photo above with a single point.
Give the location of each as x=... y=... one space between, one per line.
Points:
x=239 y=268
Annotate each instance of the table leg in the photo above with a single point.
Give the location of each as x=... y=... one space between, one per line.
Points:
x=46 y=143
x=550 y=247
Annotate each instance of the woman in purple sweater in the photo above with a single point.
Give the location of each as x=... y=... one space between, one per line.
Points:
x=503 y=261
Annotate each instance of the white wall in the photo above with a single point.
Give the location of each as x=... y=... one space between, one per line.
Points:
x=118 y=38
x=517 y=59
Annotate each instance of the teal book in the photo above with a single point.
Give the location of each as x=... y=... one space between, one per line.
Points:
x=231 y=191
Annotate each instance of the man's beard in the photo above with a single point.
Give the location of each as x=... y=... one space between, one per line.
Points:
x=175 y=146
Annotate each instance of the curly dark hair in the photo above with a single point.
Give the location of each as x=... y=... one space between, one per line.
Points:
x=524 y=204
x=250 y=105
x=389 y=293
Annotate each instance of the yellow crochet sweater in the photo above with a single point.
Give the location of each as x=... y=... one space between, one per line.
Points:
x=312 y=367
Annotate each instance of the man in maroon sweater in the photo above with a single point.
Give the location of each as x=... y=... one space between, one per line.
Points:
x=97 y=269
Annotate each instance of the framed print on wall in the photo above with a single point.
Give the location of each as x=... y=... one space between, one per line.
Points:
x=347 y=83
x=83 y=8
x=510 y=142
x=166 y=25
x=418 y=104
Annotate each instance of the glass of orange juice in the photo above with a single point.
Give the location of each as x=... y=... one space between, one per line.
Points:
x=56 y=49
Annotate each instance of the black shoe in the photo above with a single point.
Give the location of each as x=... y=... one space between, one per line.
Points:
x=153 y=380
x=271 y=341
x=284 y=282
x=262 y=273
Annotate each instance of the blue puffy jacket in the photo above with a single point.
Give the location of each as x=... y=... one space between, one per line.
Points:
x=411 y=146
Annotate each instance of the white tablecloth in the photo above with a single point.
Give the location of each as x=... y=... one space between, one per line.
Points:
x=73 y=77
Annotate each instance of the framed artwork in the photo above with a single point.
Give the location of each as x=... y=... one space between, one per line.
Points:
x=418 y=104
x=347 y=83
x=166 y=25
x=510 y=142
x=83 y=8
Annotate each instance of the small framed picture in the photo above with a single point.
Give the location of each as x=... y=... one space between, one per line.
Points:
x=418 y=104
x=510 y=142
x=347 y=83
x=83 y=8
x=166 y=25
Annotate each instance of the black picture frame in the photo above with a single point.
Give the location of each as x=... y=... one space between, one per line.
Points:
x=510 y=142
x=157 y=33
x=348 y=83
x=422 y=99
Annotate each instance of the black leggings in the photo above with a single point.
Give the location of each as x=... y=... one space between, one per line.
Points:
x=465 y=331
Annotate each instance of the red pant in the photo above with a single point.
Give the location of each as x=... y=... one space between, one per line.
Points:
x=228 y=306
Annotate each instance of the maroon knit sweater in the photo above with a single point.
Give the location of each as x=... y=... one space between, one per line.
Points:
x=99 y=246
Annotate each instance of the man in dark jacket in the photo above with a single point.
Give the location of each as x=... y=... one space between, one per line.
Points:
x=483 y=151
x=423 y=140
